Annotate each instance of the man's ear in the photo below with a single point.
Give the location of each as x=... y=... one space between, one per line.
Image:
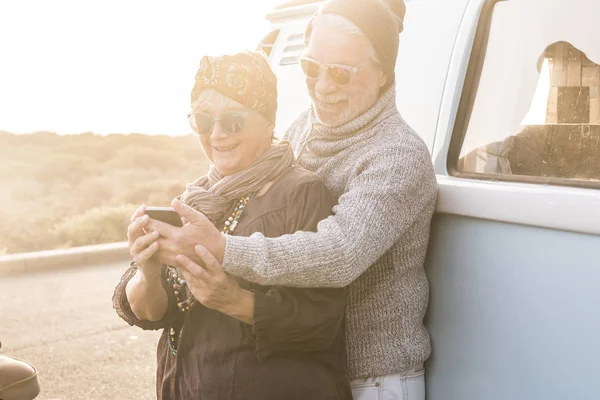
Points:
x=382 y=78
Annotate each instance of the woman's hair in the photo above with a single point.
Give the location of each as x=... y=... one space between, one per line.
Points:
x=206 y=100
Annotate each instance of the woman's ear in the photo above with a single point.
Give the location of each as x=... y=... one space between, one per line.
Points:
x=271 y=130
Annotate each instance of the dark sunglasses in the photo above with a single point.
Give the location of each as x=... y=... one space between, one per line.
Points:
x=231 y=122
x=338 y=73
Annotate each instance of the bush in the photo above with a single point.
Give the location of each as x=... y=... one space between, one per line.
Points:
x=96 y=226
x=23 y=235
x=145 y=158
x=65 y=167
x=62 y=191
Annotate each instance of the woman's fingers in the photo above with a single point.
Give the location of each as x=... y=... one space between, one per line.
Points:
x=138 y=213
x=134 y=230
x=142 y=257
x=142 y=245
x=142 y=242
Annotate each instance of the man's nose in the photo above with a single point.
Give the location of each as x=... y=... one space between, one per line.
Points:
x=324 y=83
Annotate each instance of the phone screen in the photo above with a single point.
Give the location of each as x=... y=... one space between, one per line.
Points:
x=164 y=214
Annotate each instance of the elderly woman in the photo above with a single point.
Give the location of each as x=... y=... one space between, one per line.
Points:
x=223 y=337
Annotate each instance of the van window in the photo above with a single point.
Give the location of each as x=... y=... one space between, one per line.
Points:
x=535 y=112
x=426 y=45
x=292 y=49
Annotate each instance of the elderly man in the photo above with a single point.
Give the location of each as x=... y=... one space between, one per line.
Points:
x=381 y=171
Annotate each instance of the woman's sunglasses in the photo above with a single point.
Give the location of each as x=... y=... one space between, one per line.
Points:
x=231 y=122
x=338 y=73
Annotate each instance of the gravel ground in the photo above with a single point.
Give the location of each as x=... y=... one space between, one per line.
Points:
x=63 y=323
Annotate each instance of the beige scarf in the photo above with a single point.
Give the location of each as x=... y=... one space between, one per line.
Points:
x=215 y=194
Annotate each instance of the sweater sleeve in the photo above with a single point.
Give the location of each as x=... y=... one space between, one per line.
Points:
x=299 y=319
x=388 y=193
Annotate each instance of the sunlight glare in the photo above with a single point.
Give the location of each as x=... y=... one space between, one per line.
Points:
x=113 y=66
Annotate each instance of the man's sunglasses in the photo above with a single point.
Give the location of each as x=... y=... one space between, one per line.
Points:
x=231 y=122
x=338 y=73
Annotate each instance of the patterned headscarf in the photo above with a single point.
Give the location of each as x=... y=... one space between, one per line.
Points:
x=245 y=77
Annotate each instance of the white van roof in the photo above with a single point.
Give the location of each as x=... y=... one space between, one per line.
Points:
x=293 y=8
x=294 y=3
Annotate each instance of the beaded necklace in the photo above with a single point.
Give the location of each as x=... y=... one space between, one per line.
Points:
x=179 y=285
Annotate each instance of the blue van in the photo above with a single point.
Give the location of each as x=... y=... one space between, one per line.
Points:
x=506 y=94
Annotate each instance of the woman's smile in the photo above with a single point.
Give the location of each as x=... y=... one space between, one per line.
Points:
x=224 y=149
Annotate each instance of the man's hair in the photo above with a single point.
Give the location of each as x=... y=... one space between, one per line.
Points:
x=346 y=25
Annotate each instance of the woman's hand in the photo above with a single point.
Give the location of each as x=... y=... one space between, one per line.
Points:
x=197 y=230
x=145 y=293
x=143 y=244
x=214 y=288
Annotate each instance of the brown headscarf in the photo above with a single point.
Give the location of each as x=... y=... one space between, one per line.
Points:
x=247 y=78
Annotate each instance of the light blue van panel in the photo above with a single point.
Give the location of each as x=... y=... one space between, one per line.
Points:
x=513 y=312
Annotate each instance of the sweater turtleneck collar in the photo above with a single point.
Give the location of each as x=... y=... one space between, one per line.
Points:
x=323 y=141
x=382 y=109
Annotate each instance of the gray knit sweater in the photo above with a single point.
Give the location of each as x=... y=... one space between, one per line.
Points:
x=375 y=242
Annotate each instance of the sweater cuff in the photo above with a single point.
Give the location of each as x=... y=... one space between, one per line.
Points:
x=238 y=254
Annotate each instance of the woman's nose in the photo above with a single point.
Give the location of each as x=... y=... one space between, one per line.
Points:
x=217 y=131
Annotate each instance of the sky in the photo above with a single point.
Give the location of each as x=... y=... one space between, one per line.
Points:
x=113 y=66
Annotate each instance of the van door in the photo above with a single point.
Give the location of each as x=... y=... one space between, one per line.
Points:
x=513 y=259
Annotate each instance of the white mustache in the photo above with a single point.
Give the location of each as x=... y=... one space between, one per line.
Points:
x=334 y=98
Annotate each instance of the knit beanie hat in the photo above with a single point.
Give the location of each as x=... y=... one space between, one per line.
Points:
x=380 y=20
x=245 y=77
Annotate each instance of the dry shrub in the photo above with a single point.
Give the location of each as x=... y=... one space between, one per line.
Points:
x=95 y=226
x=83 y=188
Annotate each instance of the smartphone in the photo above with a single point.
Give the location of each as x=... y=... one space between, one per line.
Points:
x=164 y=214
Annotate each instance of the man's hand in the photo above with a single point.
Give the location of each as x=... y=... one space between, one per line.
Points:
x=197 y=230
x=214 y=288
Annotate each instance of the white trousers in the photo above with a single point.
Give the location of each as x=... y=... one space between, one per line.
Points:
x=408 y=385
